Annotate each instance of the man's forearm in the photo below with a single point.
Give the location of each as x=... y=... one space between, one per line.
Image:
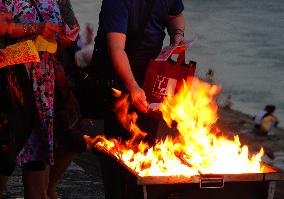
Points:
x=176 y=28
x=122 y=67
x=176 y=23
x=116 y=48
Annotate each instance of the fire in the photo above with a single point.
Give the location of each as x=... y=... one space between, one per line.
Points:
x=198 y=149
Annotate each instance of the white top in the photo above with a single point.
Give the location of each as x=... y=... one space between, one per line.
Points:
x=259 y=116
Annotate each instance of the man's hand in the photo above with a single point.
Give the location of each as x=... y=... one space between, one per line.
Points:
x=138 y=99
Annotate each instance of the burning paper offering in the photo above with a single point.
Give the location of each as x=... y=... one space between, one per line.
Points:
x=199 y=148
x=18 y=53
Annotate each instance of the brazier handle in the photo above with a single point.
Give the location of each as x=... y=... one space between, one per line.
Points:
x=211 y=183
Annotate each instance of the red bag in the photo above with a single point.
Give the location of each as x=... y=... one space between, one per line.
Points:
x=163 y=77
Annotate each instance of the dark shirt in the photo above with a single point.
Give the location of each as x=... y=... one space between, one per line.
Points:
x=131 y=17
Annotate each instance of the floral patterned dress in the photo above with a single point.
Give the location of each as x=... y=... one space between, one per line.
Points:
x=39 y=146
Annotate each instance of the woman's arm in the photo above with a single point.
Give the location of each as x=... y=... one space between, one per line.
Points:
x=5 y=20
x=46 y=29
x=5 y=17
x=15 y=30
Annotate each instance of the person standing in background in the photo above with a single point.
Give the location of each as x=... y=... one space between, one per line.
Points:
x=7 y=158
x=34 y=170
x=31 y=19
x=68 y=138
x=84 y=55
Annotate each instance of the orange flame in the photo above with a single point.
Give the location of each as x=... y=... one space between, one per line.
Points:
x=196 y=150
x=128 y=120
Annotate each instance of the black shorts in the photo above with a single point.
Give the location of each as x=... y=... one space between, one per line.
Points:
x=7 y=161
x=34 y=166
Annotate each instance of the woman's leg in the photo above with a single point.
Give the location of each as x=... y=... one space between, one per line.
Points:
x=7 y=166
x=62 y=161
x=35 y=180
x=3 y=182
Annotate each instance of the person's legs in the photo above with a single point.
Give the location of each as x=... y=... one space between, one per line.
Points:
x=35 y=180
x=7 y=166
x=62 y=161
x=67 y=145
x=3 y=182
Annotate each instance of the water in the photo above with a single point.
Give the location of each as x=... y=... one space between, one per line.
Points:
x=243 y=41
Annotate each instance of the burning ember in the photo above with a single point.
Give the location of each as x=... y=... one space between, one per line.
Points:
x=198 y=149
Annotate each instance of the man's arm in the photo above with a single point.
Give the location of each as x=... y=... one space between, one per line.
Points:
x=176 y=28
x=116 y=48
